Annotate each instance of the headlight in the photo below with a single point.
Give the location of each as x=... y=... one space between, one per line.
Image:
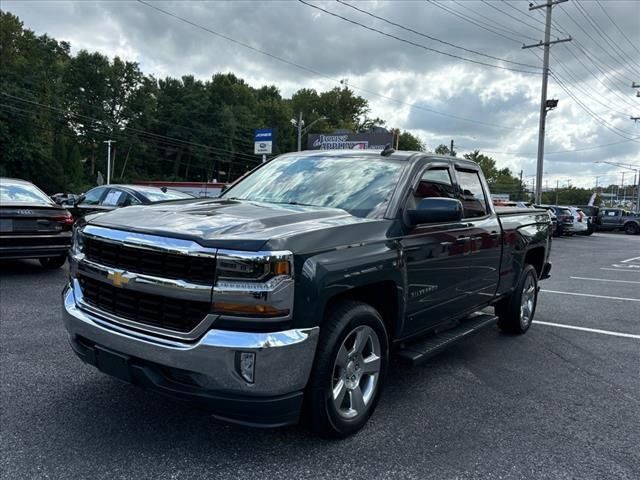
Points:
x=254 y=284
x=253 y=267
x=77 y=242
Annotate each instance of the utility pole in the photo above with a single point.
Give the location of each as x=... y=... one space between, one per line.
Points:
x=451 y=151
x=520 y=186
x=300 y=124
x=624 y=192
x=109 y=142
x=544 y=105
x=557 y=187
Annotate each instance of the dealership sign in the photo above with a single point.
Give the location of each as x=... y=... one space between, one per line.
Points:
x=350 y=141
x=263 y=141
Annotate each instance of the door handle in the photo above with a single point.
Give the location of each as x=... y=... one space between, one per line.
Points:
x=463 y=239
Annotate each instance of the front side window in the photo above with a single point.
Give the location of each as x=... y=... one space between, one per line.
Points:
x=93 y=196
x=471 y=194
x=361 y=185
x=435 y=182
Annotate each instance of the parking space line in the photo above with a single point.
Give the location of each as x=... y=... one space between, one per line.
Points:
x=620 y=270
x=591 y=295
x=630 y=260
x=604 y=280
x=592 y=330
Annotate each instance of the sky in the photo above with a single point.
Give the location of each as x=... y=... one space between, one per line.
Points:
x=441 y=70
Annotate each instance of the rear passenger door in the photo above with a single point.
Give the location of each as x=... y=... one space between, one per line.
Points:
x=485 y=237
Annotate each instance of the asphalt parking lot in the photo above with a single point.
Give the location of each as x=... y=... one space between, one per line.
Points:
x=555 y=403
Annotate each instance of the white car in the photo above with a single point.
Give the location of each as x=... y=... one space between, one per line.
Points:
x=580 y=221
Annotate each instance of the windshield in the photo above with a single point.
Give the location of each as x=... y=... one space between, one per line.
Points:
x=22 y=193
x=155 y=194
x=361 y=185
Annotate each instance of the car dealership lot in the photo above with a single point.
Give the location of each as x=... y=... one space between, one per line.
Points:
x=555 y=403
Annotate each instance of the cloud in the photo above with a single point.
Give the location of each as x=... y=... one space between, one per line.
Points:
x=404 y=84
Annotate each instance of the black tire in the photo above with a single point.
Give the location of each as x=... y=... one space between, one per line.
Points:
x=51 y=263
x=509 y=310
x=342 y=322
x=631 y=229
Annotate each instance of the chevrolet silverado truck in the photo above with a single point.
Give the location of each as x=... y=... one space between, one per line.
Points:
x=285 y=298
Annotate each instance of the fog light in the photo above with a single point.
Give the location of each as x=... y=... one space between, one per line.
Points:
x=245 y=365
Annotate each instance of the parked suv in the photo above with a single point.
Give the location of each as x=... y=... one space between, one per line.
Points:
x=564 y=219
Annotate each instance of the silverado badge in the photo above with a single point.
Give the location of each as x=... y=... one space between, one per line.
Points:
x=117 y=279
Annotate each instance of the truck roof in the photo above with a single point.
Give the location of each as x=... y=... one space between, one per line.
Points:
x=405 y=155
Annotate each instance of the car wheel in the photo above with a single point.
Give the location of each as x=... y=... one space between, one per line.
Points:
x=515 y=313
x=631 y=229
x=349 y=370
x=53 y=262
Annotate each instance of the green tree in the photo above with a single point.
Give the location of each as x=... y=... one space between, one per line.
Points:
x=442 y=149
x=410 y=142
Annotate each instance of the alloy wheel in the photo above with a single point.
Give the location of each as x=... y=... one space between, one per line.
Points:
x=356 y=372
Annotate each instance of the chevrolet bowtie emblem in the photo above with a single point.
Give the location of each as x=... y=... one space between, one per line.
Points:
x=117 y=279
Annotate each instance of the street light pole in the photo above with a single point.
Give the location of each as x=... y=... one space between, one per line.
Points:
x=109 y=142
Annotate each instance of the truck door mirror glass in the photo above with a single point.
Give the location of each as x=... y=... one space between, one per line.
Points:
x=436 y=210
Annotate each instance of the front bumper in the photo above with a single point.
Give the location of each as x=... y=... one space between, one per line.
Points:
x=204 y=371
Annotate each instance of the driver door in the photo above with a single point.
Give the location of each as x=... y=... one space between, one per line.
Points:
x=435 y=257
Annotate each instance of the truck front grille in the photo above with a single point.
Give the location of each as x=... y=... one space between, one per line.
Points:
x=195 y=269
x=155 y=310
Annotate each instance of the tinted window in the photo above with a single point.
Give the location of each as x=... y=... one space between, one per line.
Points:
x=22 y=193
x=435 y=182
x=361 y=185
x=113 y=198
x=156 y=194
x=93 y=196
x=471 y=194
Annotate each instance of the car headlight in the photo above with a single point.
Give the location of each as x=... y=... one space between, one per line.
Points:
x=77 y=242
x=253 y=284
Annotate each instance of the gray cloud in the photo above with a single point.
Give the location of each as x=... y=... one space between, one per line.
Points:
x=165 y=46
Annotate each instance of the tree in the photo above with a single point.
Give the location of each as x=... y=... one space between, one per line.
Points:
x=442 y=149
x=410 y=142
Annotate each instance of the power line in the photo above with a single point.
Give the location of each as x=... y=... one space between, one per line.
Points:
x=626 y=101
x=634 y=46
x=519 y=20
x=583 y=90
x=613 y=128
x=590 y=37
x=505 y=2
x=319 y=74
x=614 y=46
x=404 y=27
x=477 y=23
x=415 y=44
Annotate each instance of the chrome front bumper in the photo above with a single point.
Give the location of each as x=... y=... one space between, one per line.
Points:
x=283 y=360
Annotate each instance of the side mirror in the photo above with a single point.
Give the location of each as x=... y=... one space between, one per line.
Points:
x=432 y=210
x=78 y=200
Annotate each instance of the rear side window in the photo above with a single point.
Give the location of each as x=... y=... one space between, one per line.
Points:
x=471 y=194
x=113 y=198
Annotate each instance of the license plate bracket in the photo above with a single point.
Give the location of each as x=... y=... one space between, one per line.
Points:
x=112 y=363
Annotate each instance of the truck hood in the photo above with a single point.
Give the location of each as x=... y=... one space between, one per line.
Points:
x=234 y=224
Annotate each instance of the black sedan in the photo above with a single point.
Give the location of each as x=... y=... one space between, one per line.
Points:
x=110 y=197
x=32 y=225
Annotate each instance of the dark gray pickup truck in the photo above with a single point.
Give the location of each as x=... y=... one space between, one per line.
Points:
x=286 y=297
